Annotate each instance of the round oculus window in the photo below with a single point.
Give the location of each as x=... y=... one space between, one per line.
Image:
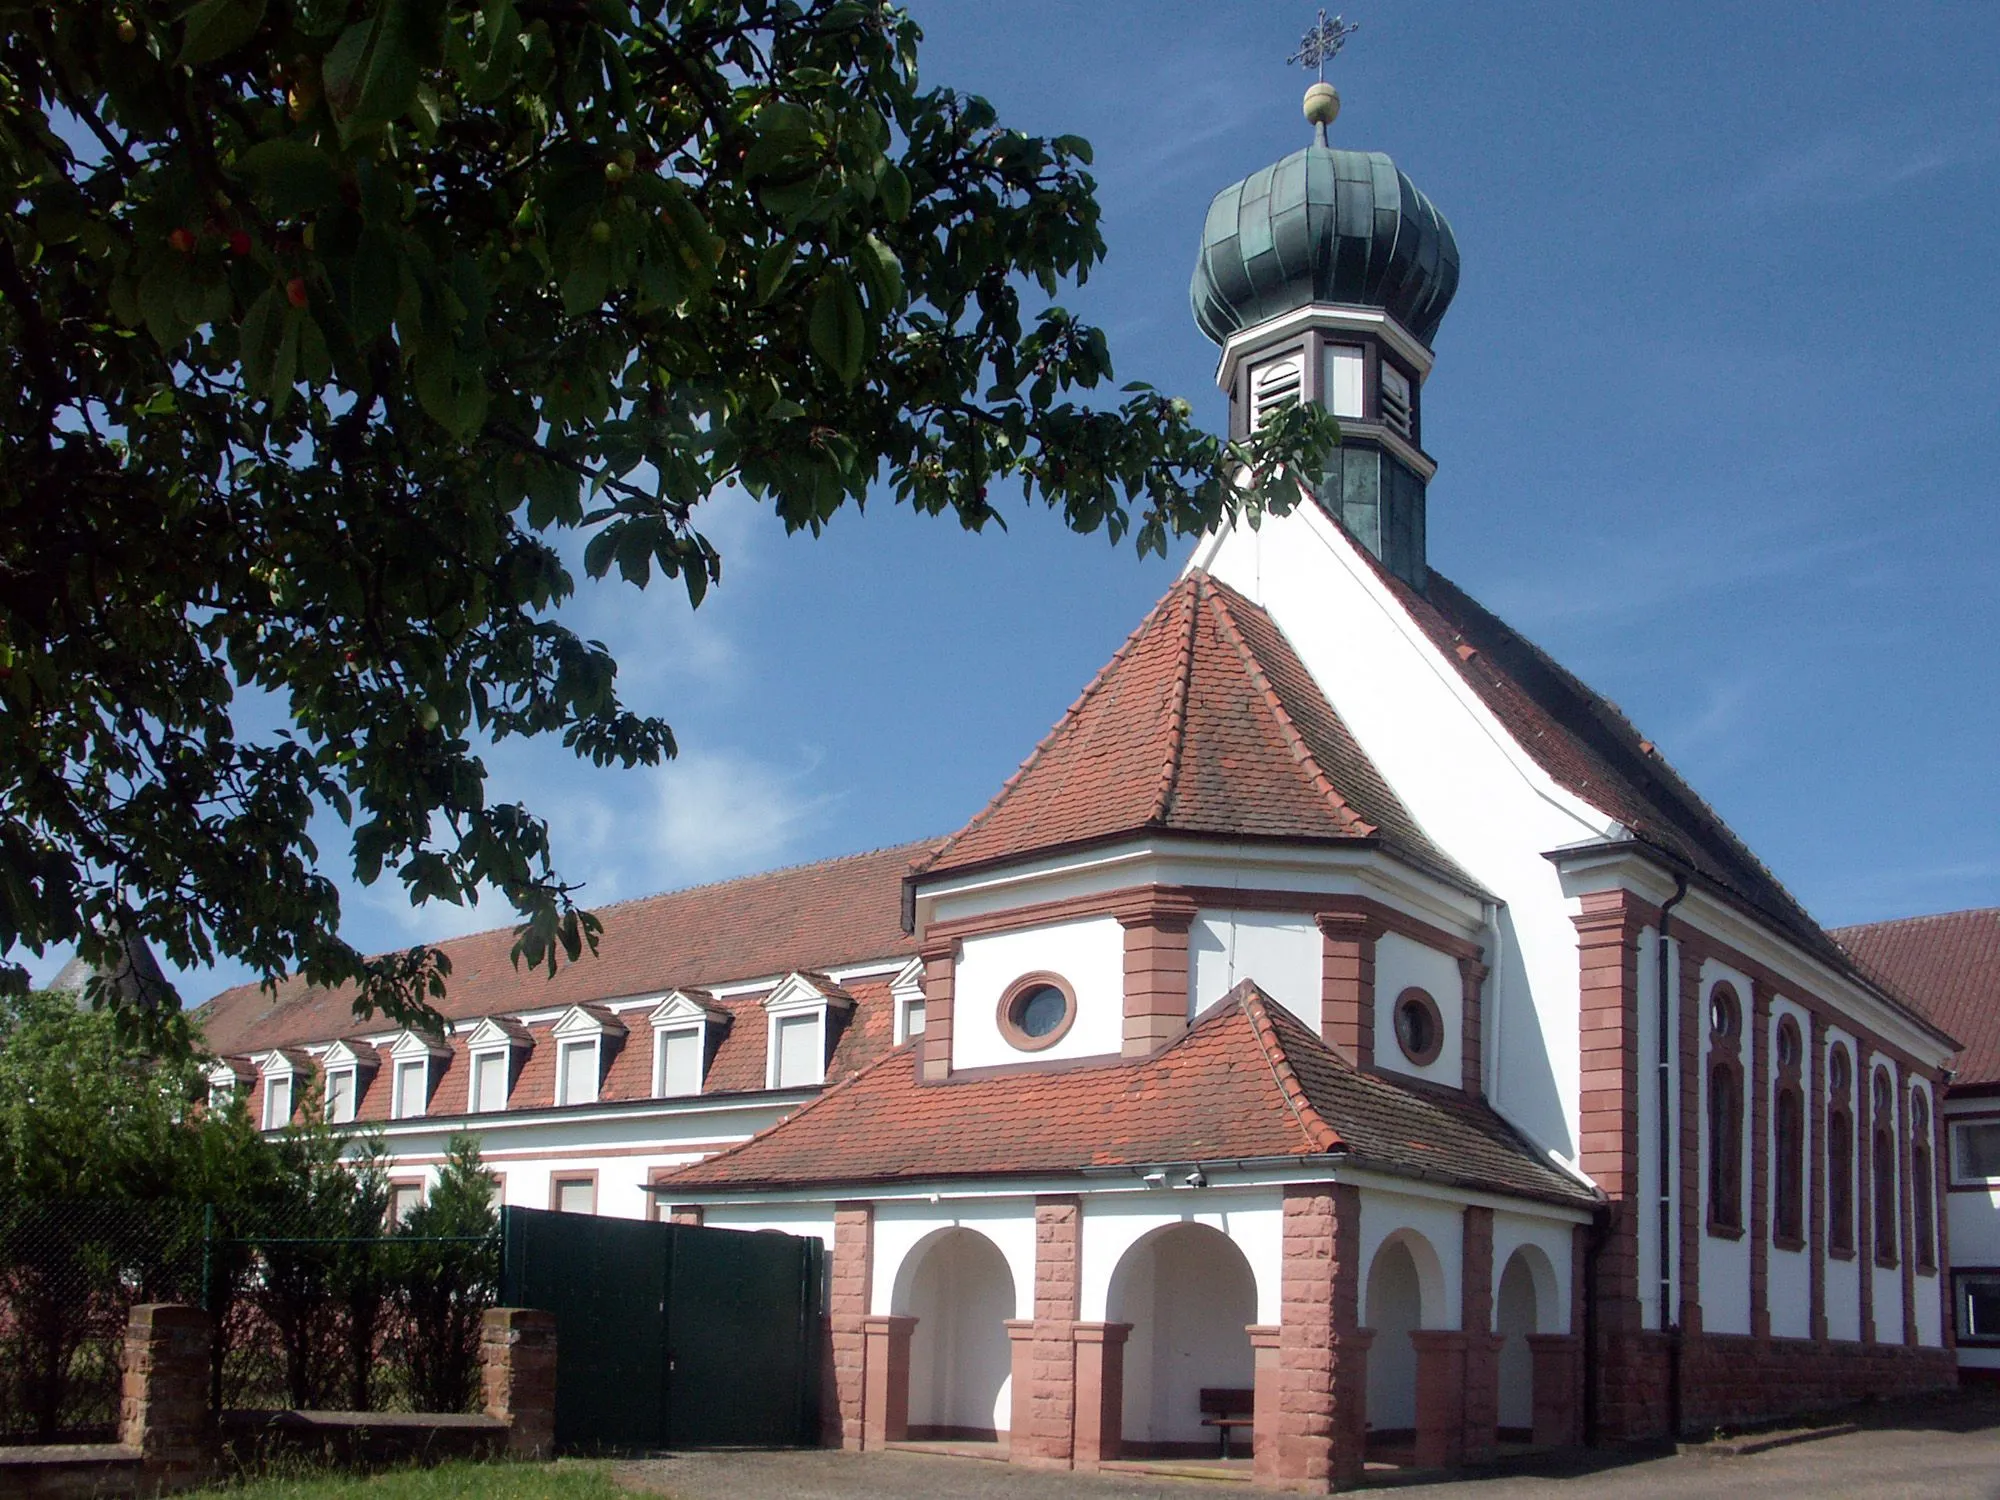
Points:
x=1788 y=1044
x=1036 y=1011
x=1419 y=1026
x=1723 y=1010
x=1836 y=1069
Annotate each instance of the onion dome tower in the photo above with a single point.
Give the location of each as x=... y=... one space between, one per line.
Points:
x=1324 y=278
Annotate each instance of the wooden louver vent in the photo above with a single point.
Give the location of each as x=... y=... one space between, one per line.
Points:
x=1274 y=385
x=1396 y=401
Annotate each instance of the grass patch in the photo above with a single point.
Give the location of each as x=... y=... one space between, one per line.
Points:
x=563 y=1480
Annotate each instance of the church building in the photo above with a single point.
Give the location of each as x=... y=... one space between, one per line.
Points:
x=1344 y=1023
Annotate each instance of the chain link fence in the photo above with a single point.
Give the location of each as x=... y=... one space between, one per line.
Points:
x=312 y=1315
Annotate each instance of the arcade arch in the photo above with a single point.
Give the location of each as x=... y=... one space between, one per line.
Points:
x=1404 y=1292
x=956 y=1284
x=1189 y=1295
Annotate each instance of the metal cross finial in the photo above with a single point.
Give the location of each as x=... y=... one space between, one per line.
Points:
x=1322 y=42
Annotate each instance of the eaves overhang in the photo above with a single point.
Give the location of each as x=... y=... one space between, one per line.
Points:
x=1609 y=852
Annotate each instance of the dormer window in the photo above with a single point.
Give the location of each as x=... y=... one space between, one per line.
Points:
x=224 y=1079
x=281 y=1070
x=906 y=993
x=686 y=1026
x=494 y=1051
x=803 y=1014
x=416 y=1061
x=586 y=1036
x=349 y=1065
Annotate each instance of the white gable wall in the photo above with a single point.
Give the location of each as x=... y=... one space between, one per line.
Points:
x=1474 y=791
x=1280 y=950
x=1400 y=964
x=1089 y=955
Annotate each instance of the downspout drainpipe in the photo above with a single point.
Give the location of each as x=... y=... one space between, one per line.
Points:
x=1669 y=1322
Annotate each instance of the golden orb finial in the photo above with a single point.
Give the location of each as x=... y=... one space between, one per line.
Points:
x=1322 y=108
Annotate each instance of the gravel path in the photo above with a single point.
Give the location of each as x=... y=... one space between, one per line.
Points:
x=1944 y=1450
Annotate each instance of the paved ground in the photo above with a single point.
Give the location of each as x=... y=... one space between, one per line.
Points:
x=1946 y=1450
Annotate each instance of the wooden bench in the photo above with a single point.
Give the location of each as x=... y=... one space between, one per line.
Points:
x=1227 y=1409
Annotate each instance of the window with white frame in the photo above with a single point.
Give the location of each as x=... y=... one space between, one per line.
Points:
x=1978 y=1304
x=574 y=1195
x=585 y=1037
x=1275 y=384
x=489 y=1080
x=686 y=1026
x=803 y=1014
x=906 y=993
x=340 y=1096
x=277 y=1099
x=494 y=1047
x=414 y=1061
x=404 y=1199
x=223 y=1081
x=1975 y=1151
x=348 y=1066
x=577 y=1077
x=1346 y=370
x=1397 y=411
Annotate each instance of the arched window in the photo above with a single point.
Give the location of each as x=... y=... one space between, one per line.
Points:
x=1882 y=1166
x=1923 y=1181
x=1788 y=1215
x=1725 y=1111
x=1839 y=1153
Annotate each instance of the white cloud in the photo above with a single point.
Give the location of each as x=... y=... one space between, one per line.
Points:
x=1860 y=162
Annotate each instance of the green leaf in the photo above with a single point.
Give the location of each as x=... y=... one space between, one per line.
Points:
x=771 y=268
x=216 y=28
x=371 y=73
x=376 y=283
x=838 y=330
x=295 y=176
x=259 y=339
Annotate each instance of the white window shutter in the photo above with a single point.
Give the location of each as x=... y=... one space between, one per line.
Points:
x=799 y=1060
x=1396 y=400
x=579 y=1062
x=1345 y=367
x=412 y=1088
x=680 y=1061
x=489 y=1081
x=340 y=1096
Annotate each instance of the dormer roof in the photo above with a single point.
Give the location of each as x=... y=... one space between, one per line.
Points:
x=686 y=1006
x=588 y=1020
x=499 y=1031
x=1206 y=723
x=352 y=1052
x=803 y=991
x=411 y=1044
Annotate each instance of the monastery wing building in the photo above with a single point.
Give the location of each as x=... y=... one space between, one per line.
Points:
x=1292 y=1036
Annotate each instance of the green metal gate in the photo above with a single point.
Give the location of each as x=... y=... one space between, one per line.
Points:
x=669 y=1335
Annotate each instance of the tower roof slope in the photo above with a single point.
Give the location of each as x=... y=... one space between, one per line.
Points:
x=1204 y=722
x=816 y=916
x=1246 y=1082
x=1949 y=967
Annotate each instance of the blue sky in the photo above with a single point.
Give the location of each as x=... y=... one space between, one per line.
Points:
x=1717 y=414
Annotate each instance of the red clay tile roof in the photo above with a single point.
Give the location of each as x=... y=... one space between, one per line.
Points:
x=817 y=916
x=1204 y=722
x=1246 y=1081
x=1949 y=966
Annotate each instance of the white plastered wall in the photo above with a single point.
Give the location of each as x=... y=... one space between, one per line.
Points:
x=1253 y=1219
x=1789 y=1280
x=1401 y=963
x=1441 y=1226
x=1090 y=957
x=812 y=1221
x=1843 y=1276
x=1555 y=1241
x=901 y=1228
x=1474 y=791
x=1280 y=950
x=1725 y=1263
